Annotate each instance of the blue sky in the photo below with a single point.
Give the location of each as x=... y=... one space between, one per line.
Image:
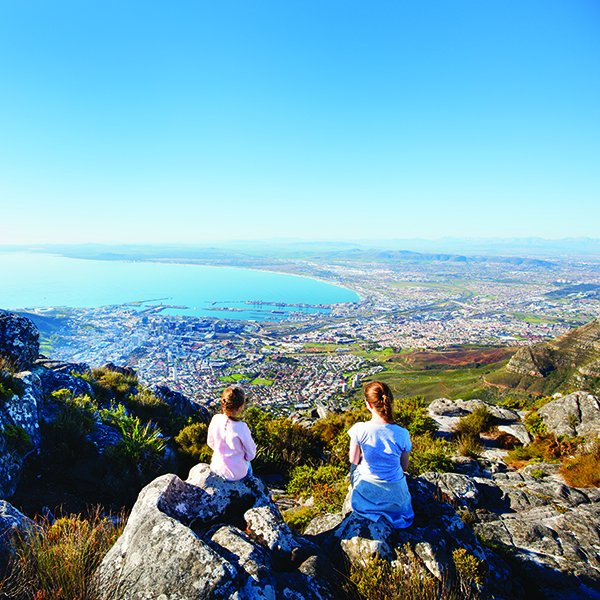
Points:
x=192 y=121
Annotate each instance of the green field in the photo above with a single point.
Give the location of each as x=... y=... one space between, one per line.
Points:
x=261 y=381
x=234 y=378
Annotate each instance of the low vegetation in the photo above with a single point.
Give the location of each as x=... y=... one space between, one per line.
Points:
x=58 y=561
x=377 y=579
x=583 y=470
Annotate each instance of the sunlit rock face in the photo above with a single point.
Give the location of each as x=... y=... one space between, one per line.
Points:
x=19 y=341
x=207 y=538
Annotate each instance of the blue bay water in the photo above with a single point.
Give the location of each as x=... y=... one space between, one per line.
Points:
x=29 y=280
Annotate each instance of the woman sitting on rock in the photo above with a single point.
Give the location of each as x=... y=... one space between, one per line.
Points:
x=230 y=437
x=380 y=449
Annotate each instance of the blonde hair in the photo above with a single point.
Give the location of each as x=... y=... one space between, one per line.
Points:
x=232 y=399
x=379 y=396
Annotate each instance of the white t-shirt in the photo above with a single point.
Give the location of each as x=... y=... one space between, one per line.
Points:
x=381 y=447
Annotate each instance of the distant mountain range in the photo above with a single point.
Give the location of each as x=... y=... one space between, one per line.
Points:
x=517 y=251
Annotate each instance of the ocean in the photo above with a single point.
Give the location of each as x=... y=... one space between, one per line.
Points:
x=31 y=280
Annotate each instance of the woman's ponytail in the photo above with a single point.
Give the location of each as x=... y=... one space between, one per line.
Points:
x=379 y=396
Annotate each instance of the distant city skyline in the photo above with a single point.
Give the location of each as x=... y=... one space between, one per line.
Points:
x=147 y=122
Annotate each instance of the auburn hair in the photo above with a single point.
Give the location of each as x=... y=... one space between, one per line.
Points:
x=232 y=399
x=379 y=396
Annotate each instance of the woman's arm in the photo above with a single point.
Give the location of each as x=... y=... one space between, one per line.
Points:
x=404 y=460
x=355 y=453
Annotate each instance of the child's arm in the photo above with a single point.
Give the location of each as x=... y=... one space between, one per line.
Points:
x=248 y=444
x=210 y=438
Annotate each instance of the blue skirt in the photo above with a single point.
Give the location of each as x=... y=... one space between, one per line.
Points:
x=373 y=499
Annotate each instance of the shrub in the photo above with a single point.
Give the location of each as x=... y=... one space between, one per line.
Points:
x=141 y=446
x=326 y=484
x=108 y=384
x=332 y=434
x=535 y=424
x=66 y=435
x=191 y=442
x=479 y=421
x=59 y=564
x=9 y=384
x=281 y=444
x=514 y=403
x=429 y=454
x=412 y=414
x=149 y=407
x=299 y=518
x=17 y=438
x=470 y=571
x=377 y=579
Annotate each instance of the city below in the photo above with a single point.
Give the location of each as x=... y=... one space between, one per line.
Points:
x=320 y=358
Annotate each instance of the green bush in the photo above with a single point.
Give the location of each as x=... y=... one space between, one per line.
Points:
x=479 y=421
x=108 y=385
x=535 y=424
x=281 y=445
x=298 y=518
x=377 y=579
x=65 y=436
x=332 y=434
x=9 y=385
x=191 y=442
x=412 y=414
x=326 y=484
x=141 y=446
x=16 y=437
x=429 y=454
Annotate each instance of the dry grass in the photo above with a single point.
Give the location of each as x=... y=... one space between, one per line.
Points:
x=380 y=580
x=583 y=470
x=59 y=563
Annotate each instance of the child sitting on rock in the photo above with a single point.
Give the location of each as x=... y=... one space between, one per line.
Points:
x=230 y=437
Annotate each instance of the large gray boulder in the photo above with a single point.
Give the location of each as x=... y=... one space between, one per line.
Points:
x=19 y=430
x=13 y=525
x=19 y=341
x=573 y=415
x=550 y=530
x=207 y=538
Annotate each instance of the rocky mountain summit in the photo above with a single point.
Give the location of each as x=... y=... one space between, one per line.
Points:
x=570 y=360
x=487 y=529
x=205 y=538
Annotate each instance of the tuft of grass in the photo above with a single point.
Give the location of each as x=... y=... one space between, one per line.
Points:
x=468 y=445
x=59 y=563
x=9 y=384
x=17 y=438
x=66 y=434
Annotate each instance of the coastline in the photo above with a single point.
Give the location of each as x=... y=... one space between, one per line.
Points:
x=45 y=304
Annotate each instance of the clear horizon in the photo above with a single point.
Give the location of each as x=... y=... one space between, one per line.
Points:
x=146 y=123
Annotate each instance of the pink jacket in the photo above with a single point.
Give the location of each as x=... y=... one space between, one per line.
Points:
x=233 y=446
